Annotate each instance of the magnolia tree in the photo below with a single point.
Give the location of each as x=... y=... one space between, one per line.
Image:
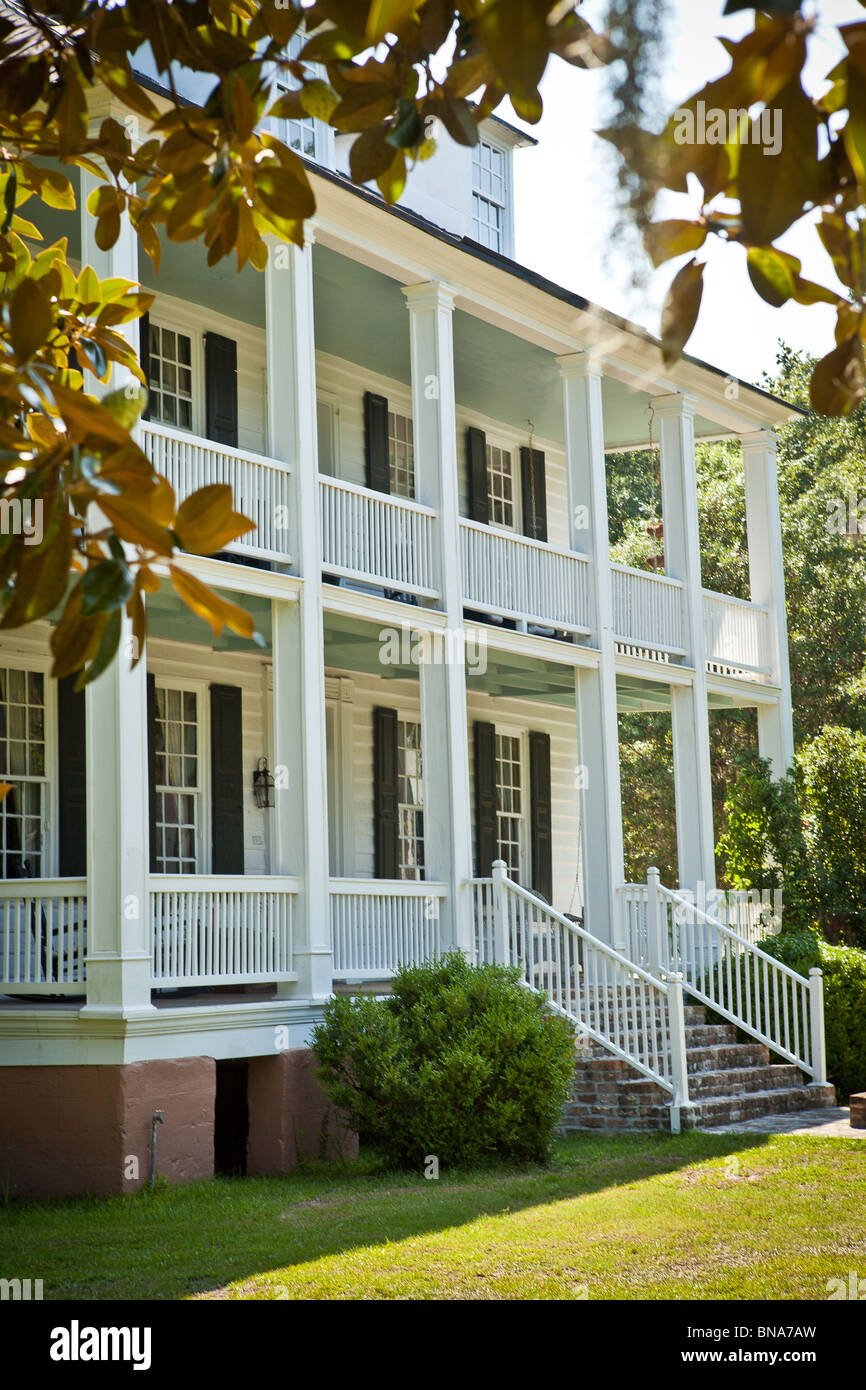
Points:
x=396 y=70
x=214 y=174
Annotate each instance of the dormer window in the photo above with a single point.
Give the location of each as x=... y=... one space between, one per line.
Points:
x=490 y=195
x=303 y=134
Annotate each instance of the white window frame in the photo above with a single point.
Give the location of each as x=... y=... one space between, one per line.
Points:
x=11 y=660
x=413 y=717
x=201 y=689
x=331 y=401
x=395 y=415
x=323 y=133
x=522 y=736
x=506 y=247
x=196 y=337
x=516 y=497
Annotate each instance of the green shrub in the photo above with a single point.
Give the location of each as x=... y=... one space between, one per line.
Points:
x=844 y=970
x=459 y=1061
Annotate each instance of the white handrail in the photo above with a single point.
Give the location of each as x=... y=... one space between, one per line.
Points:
x=647 y=609
x=377 y=538
x=521 y=578
x=736 y=633
x=226 y=929
x=634 y=1015
x=735 y=978
x=43 y=935
x=379 y=924
x=260 y=485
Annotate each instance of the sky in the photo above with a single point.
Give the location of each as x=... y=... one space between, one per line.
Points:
x=565 y=190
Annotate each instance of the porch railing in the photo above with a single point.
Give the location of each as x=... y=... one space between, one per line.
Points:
x=260 y=485
x=379 y=924
x=665 y=931
x=378 y=538
x=736 y=635
x=221 y=930
x=648 y=610
x=632 y=1013
x=519 y=578
x=42 y=936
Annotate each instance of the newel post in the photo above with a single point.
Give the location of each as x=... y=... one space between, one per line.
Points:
x=679 y=1056
x=816 y=1021
x=654 y=916
x=500 y=913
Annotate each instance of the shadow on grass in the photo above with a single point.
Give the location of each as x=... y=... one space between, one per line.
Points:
x=181 y=1241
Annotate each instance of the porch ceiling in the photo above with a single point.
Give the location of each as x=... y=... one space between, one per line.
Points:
x=354 y=645
x=169 y=618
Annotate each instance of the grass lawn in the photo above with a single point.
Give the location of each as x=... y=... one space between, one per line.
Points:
x=640 y=1216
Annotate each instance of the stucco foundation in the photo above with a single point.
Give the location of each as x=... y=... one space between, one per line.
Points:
x=70 y=1131
x=290 y=1115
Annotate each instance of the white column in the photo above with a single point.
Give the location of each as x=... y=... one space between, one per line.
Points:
x=118 y=910
x=300 y=753
x=445 y=735
x=767 y=586
x=595 y=688
x=674 y=415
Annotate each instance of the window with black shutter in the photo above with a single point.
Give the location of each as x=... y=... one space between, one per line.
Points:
x=540 y=832
x=476 y=456
x=221 y=389
x=227 y=780
x=376 y=451
x=486 y=834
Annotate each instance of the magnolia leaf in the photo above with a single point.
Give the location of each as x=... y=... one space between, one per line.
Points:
x=839 y=381
x=215 y=610
x=773 y=274
x=30 y=318
x=105 y=585
x=680 y=311
x=665 y=240
x=206 y=520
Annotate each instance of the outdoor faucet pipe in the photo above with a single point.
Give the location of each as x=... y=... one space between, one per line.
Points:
x=158 y=1119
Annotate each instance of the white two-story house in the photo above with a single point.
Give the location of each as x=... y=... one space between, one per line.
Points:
x=197 y=853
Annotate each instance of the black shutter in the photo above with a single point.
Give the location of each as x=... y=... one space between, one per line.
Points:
x=144 y=357
x=227 y=779
x=479 y=493
x=534 y=494
x=386 y=830
x=486 y=831
x=221 y=389
x=151 y=771
x=376 y=442
x=540 y=815
x=72 y=783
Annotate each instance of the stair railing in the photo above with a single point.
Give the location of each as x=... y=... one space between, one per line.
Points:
x=635 y=1015
x=736 y=979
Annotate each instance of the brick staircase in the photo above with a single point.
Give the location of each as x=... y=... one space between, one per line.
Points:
x=728 y=1081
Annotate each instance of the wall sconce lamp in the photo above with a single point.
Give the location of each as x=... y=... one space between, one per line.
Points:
x=263 y=785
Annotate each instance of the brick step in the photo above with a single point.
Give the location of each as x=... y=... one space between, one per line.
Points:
x=725 y=1056
x=735 y=1081
x=698 y=1039
x=726 y=1110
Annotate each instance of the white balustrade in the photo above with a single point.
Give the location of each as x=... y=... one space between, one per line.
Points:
x=647 y=610
x=380 y=924
x=722 y=969
x=519 y=578
x=43 y=936
x=610 y=999
x=736 y=634
x=221 y=930
x=260 y=485
x=377 y=537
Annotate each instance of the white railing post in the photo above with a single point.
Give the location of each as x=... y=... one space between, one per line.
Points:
x=654 y=917
x=816 y=1022
x=679 y=1056
x=501 y=952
